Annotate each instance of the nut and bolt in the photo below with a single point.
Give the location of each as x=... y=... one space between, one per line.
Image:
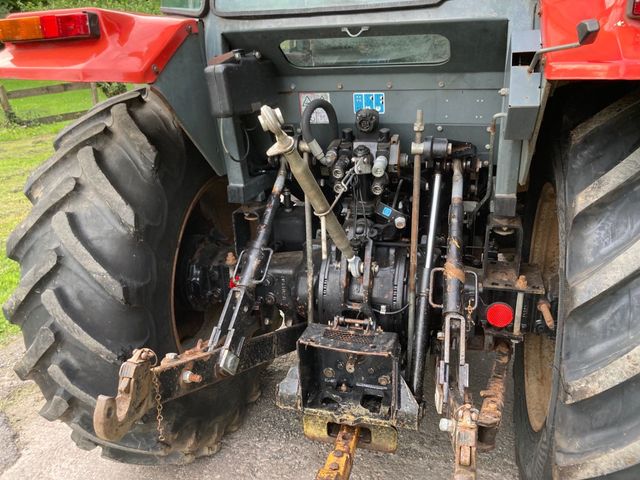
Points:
x=171 y=356
x=334 y=466
x=400 y=222
x=329 y=372
x=440 y=336
x=384 y=380
x=447 y=425
x=503 y=92
x=338 y=453
x=189 y=377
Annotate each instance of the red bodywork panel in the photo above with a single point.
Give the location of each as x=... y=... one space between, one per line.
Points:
x=614 y=55
x=131 y=48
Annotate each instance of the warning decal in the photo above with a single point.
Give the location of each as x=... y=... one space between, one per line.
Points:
x=305 y=98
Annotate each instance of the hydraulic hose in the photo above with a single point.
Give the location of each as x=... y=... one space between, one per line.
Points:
x=305 y=125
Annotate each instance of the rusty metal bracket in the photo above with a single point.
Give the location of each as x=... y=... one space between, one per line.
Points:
x=340 y=460
x=493 y=398
x=178 y=375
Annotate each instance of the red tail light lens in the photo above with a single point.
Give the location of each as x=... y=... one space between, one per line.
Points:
x=634 y=8
x=499 y=314
x=49 y=27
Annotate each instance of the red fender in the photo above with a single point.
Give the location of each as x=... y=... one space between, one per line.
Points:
x=132 y=48
x=615 y=55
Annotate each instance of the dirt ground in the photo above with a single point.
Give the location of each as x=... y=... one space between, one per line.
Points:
x=270 y=444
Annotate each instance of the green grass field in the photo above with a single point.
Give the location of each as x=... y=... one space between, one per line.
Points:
x=21 y=150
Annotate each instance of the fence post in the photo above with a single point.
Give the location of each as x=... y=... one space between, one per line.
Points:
x=94 y=93
x=6 y=106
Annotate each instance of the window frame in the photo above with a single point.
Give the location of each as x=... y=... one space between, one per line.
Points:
x=295 y=12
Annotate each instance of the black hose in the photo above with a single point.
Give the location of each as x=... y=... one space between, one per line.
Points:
x=305 y=123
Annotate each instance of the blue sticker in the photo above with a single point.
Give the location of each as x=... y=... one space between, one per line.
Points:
x=372 y=100
x=386 y=212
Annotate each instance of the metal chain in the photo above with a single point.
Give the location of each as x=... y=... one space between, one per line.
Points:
x=158 y=399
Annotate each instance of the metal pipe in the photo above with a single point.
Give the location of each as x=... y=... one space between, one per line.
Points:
x=454 y=268
x=308 y=224
x=271 y=120
x=422 y=330
x=323 y=237
x=418 y=128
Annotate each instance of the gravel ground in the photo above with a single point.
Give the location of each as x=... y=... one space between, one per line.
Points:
x=270 y=444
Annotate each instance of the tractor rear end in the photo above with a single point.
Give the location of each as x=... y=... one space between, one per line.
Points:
x=379 y=188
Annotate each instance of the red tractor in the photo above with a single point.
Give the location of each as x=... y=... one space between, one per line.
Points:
x=381 y=186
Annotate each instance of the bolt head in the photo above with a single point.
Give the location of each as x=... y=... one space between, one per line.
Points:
x=329 y=372
x=400 y=222
x=171 y=356
x=334 y=466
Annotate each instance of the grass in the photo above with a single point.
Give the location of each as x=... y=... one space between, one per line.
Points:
x=22 y=149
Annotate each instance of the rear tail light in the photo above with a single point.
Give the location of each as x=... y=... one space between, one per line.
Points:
x=50 y=27
x=634 y=8
x=499 y=314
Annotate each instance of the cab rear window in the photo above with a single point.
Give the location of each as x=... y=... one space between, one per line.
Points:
x=424 y=49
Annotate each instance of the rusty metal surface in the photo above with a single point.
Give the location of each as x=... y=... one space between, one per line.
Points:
x=379 y=436
x=545 y=308
x=493 y=398
x=340 y=459
x=465 y=439
x=113 y=417
x=178 y=375
x=503 y=276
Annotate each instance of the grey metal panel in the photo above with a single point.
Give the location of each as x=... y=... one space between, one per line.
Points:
x=525 y=41
x=182 y=84
x=524 y=103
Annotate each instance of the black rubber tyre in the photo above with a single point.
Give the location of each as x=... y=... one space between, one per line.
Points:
x=592 y=428
x=97 y=255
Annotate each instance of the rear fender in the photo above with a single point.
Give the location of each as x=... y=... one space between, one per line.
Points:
x=132 y=48
x=615 y=55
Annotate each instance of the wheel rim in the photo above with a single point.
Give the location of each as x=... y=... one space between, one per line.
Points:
x=539 y=350
x=200 y=218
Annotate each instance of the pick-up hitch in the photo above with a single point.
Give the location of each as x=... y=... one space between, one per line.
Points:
x=144 y=384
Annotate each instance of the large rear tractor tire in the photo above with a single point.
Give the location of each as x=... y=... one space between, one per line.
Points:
x=577 y=399
x=98 y=255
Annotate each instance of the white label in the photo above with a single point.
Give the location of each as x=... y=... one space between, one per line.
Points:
x=305 y=98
